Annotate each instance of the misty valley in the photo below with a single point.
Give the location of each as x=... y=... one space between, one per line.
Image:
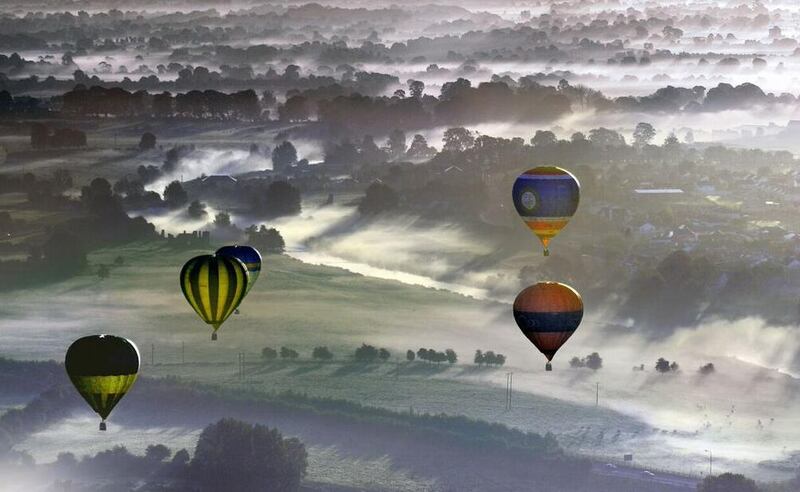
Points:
x=545 y=246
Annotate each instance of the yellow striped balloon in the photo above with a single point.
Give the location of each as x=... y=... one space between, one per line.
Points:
x=214 y=287
x=102 y=368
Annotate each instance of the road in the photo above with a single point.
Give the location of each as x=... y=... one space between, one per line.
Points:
x=677 y=481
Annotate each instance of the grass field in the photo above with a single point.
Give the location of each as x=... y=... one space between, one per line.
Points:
x=302 y=306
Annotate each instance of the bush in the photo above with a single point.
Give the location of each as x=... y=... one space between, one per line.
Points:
x=147 y=142
x=266 y=240
x=269 y=353
x=287 y=353
x=378 y=198
x=662 y=365
x=707 y=369
x=727 y=482
x=321 y=353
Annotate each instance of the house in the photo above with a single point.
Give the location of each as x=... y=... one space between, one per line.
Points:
x=218 y=182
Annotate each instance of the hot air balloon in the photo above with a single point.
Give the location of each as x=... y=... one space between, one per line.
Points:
x=103 y=368
x=247 y=255
x=214 y=287
x=548 y=313
x=546 y=198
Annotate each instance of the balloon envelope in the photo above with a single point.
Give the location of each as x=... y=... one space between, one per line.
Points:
x=247 y=255
x=102 y=368
x=548 y=313
x=214 y=287
x=546 y=198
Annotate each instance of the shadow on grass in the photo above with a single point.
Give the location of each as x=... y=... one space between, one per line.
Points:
x=420 y=369
x=473 y=370
x=355 y=368
x=306 y=368
x=269 y=367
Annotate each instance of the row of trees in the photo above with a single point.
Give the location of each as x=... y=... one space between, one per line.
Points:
x=368 y=353
x=433 y=356
x=44 y=136
x=489 y=358
x=664 y=366
x=592 y=361
x=115 y=101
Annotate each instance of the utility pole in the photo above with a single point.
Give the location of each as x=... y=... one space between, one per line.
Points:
x=597 y=396
x=509 y=389
x=710 y=462
x=241 y=366
x=152 y=354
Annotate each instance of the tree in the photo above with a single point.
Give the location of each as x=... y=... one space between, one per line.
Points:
x=287 y=353
x=39 y=135
x=283 y=156
x=99 y=199
x=707 y=369
x=174 y=195
x=103 y=272
x=197 y=210
x=671 y=142
x=147 y=142
x=662 y=365
x=280 y=199
x=269 y=353
x=321 y=353
x=366 y=353
x=222 y=219
x=727 y=482
x=266 y=240
x=410 y=356
x=222 y=462
x=451 y=356
x=543 y=138
x=593 y=361
x=479 y=358
x=378 y=198
x=419 y=148
x=396 y=144
x=576 y=363
x=422 y=354
x=416 y=88
x=157 y=452
x=384 y=354
x=296 y=108
x=643 y=134
x=457 y=139
x=603 y=137
x=181 y=457
x=64 y=253
x=674 y=367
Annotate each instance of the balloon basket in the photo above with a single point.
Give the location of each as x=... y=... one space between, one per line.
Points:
x=102 y=426
x=214 y=337
x=548 y=367
x=546 y=252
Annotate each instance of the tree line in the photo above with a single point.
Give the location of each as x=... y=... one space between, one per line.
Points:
x=367 y=353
